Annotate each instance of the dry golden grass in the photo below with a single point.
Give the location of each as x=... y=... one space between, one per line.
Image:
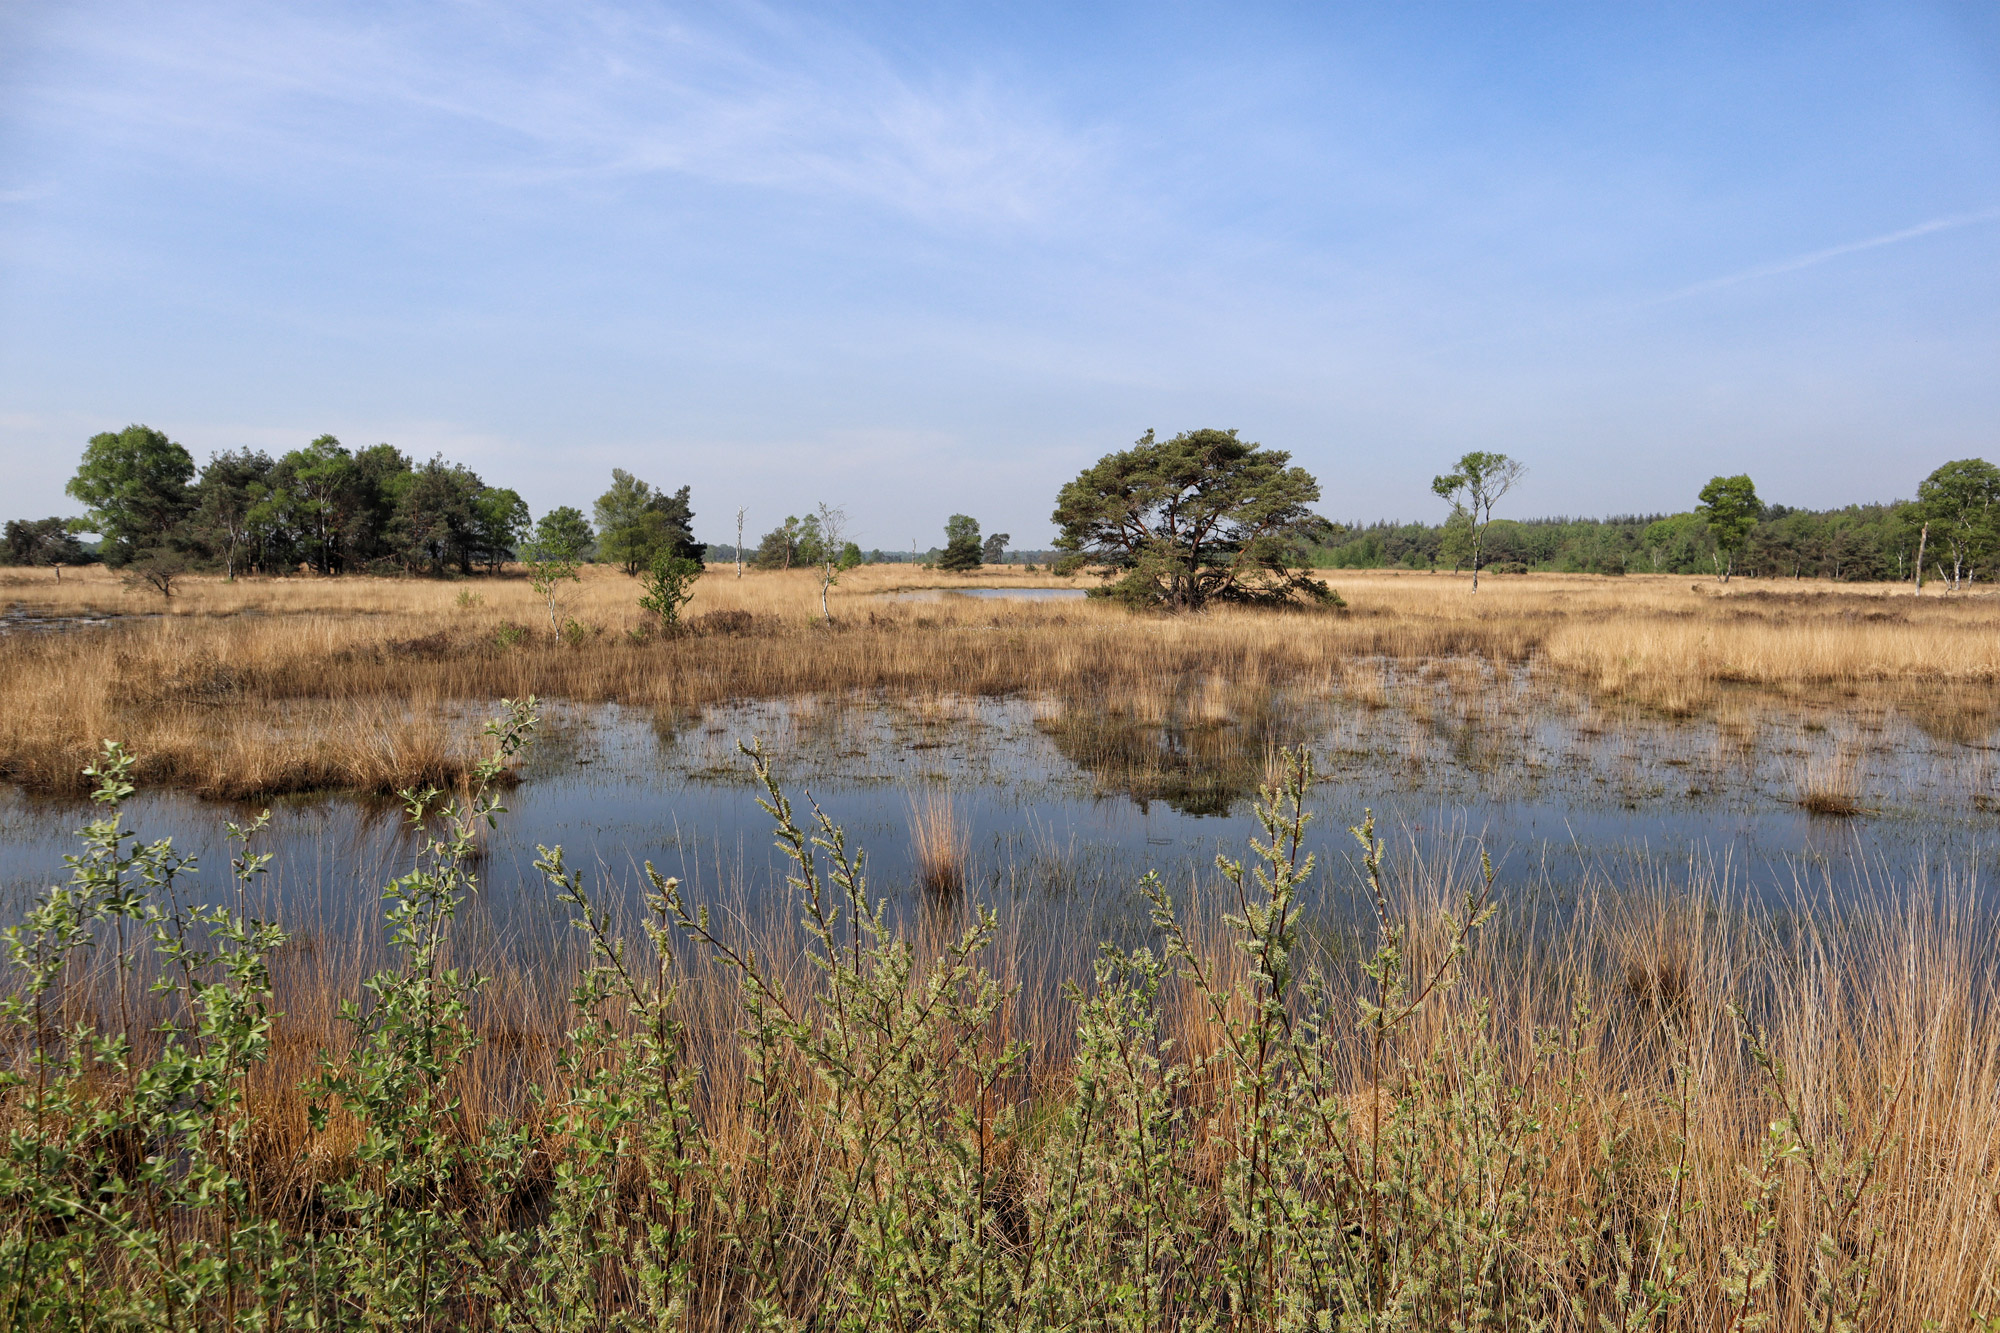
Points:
x=266 y=685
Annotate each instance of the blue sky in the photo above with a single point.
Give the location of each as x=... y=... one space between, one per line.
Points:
x=934 y=258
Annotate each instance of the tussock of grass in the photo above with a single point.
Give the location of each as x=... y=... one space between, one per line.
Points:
x=1830 y=787
x=938 y=844
x=1830 y=803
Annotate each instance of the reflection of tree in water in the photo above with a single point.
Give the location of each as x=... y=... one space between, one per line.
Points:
x=1199 y=764
x=1956 y=717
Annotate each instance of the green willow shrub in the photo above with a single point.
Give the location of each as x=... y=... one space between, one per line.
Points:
x=406 y=1236
x=903 y=1076
x=667 y=586
x=127 y=1177
x=118 y=1162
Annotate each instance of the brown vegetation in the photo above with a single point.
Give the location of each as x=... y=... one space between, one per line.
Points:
x=266 y=685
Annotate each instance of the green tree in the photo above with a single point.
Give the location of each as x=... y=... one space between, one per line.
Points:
x=628 y=498
x=340 y=510
x=668 y=586
x=1455 y=546
x=1472 y=489
x=558 y=544
x=561 y=534
x=43 y=542
x=499 y=525
x=995 y=550
x=635 y=522
x=632 y=545
x=134 y=483
x=317 y=486
x=813 y=545
x=1198 y=518
x=1961 y=504
x=1676 y=543
x=226 y=498
x=276 y=544
x=678 y=510
x=779 y=548
x=380 y=479
x=962 y=551
x=1729 y=508
x=435 y=521
x=316 y=493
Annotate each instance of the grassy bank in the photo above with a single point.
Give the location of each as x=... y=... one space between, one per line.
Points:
x=1664 y=1112
x=272 y=685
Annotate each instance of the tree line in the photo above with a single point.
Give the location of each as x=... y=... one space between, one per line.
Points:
x=321 y=507
x=1206 y=516
x=1199 y=517
x=1952 y=528
x=329 y=510
x=798 y=542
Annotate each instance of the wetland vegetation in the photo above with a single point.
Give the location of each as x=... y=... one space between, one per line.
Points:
x=1652 y=986
x=1369 y=1081
x=260 y=686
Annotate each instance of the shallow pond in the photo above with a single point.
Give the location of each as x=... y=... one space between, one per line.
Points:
x=1064 y=805
x=17 y=619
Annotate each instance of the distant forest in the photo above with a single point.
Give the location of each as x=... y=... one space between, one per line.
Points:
x=1860 y=543
x=722 y=553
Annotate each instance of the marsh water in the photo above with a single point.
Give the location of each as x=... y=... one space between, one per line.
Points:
x=1065 y=804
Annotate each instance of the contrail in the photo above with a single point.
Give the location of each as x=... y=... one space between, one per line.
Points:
x=1949 y=223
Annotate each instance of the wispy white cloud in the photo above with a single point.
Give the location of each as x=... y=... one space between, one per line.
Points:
x=1951 y=222
x=526 y=96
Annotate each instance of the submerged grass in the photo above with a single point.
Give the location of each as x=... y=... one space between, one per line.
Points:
x=268 y=685
x=1663 y=1111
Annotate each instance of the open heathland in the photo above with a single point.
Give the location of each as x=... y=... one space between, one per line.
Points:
x=269 y=685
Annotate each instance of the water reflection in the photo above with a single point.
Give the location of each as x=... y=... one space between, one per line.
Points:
x=1197 y=766
x=1065 y=804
